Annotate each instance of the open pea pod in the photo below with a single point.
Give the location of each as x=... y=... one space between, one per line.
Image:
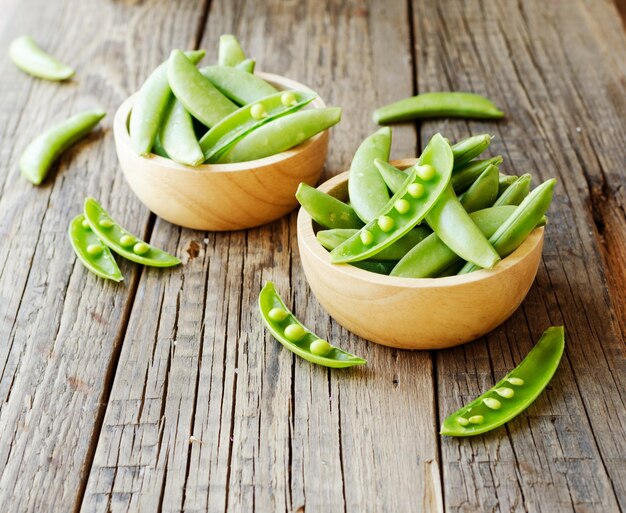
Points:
x=290 y=332
x=408 y=206
x=123 y=242
x=249 y=117
x=90 y=250
x=513 y=393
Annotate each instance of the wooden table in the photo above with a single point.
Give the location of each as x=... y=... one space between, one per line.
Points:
x=166 y=394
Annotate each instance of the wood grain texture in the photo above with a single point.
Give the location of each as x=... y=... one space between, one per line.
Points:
x=567 y=452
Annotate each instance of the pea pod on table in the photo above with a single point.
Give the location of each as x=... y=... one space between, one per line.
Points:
x=238 y=85
x=90 y=250
x=513 y=393
x=41 y=153
x=123 y=242
x=281 y=134
x=409 y=205
x=150 y=105
x=290 y=332
x=438 y=104
x=30 y=58
x=367 y=189
x=248 y=118
x=327 y=210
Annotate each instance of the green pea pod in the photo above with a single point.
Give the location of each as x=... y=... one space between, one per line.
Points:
x=247 y=65
x=281 y=134
x=230 y=52
x=513 y=393
x=516 y=192
x=391 y=175
x=483 y=192
x=94 y=255
x=41 y=153
x=123 y=242
x=523 y=221
x=466 y=175
x=31 y=59
x=290 y=332
x=413 y=201
x=436 y=105
x=330 y=239
x=178 y=137
x=249 y=117
x=431 y=257
x=150 y=105
x=196 y=92
x=376 y=266
x=238 y=85
x=327 y=210
x=158 y=148
x=505 y=182
x=367 y=189
x=468 y=149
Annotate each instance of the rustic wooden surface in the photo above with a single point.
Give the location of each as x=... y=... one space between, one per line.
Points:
x=165 y=393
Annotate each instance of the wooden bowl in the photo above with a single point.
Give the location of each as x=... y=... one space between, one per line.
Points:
x=415 y=313
x=221 y=196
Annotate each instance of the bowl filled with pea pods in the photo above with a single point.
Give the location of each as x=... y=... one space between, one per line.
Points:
x=221 y=147
x=423 y=253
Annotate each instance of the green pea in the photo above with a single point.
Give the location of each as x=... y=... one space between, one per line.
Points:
x=257 y=111
x=416 y=190
x=385 y=223
x=516 y=381
x=309 y=346
x=426 y=172
x=127 y=240
x=366 y=237
x=288 y=99
x=320 y=347
x=30 y=58
x=476 y=419
x=492 y=403
x=462 y=421
x=105 y=223
x=277 y=314
x=402 y=205
x=141 y=248
x=94 y=249
x=505 y=392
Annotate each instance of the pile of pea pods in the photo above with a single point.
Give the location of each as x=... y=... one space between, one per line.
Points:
x=222 y=113
x=451 y=213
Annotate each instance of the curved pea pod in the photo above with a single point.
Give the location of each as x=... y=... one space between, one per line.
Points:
x=524 y=220
x=515 y=193
x=30 y=58
x=325 y=209
x=468 y=149
x=178 y=137
x=249 y=117
x=513 y=393
x=466 y=175
x=330 y=239
x=229 y=51
x=439 y=104
x=150 y=105
x=123 y=242
x=196 y=92
x=247 y=65
x=483 y=192
x=421 y=191
x=238 y=85
x=505 y=182
x=285 y=328
x=41 y=153
x=367 y=189
x=431 y=257
x=376 y=266
x=89 y=249
x=281 y=134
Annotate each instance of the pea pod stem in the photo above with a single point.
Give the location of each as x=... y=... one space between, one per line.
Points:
x=438 y=104
x=512 y=394
x=327 y=210
x=30 y=58
x=45 y=149
x=293 y=335
x=367 y=189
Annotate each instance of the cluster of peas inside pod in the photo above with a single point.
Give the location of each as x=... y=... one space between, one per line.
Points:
x=221 y=113
x=451 y=213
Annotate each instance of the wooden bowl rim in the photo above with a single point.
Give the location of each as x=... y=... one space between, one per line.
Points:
x=310 y=243
x=120 y=128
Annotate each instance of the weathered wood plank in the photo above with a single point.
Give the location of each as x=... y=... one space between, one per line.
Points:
x=556 y=69
x=272 y=432
x=61 y=326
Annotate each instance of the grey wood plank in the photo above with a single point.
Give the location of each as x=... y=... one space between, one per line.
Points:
x=558 y=70
x=61 y=326
x=271 y=432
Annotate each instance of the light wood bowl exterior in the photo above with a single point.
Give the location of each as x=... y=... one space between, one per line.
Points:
x=220 y=197
x=410 y=313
